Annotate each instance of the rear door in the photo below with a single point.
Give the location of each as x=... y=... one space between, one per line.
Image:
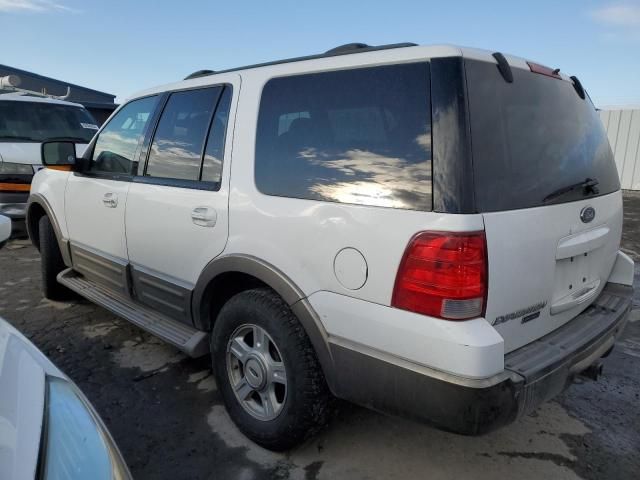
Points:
x=547 y=186
x=95 y=199
x=177 y=209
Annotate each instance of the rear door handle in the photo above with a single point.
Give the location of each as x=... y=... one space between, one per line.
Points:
x=110 y=200
x=204 y=216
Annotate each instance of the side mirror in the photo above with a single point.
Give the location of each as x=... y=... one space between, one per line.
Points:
x=61 y=154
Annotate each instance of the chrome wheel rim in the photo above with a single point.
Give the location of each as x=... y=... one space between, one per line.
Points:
x=256 y=372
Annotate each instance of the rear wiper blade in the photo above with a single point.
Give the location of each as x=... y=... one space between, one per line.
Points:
x=588 y=185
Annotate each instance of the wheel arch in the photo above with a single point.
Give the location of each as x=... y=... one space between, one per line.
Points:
x=38 y=207
x=230 y=274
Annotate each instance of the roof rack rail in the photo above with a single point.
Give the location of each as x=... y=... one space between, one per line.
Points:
x=11 y=83
x=341 y=50
x=347 y=47
x=199 y=73
x=362 y=47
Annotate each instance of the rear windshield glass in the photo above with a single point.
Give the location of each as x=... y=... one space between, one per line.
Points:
x=36 y=122
x=360 y=136
x=532 y=139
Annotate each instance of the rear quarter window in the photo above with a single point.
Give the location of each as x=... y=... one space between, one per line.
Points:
x=360 y=136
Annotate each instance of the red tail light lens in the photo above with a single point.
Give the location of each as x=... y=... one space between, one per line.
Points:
x=444 y=275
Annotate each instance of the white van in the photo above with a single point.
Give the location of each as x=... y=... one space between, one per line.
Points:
x=25 y=122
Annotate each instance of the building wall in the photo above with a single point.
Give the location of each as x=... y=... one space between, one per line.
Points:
x=623 y=129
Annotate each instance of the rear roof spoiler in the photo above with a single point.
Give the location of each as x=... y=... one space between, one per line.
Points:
x=578 y=86
x=503 y=67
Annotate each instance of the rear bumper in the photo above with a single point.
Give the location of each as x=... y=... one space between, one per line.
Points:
x=14 y=205
x=533 y=374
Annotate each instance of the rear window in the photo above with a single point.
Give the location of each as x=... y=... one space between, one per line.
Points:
x=358 y=136
x=38 y=121
x=533 y=138
x=176 y=151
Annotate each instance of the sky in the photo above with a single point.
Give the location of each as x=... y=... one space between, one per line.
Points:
x=121 y=47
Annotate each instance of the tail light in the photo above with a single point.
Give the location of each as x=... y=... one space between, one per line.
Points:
x=444 y=275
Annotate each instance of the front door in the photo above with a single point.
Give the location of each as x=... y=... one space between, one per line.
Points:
x=96 y=198
x=177 y=208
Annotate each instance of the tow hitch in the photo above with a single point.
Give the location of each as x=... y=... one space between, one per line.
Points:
x=594 y=371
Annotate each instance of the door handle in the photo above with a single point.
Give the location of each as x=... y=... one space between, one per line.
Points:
x=110 y=200
x=204 y=216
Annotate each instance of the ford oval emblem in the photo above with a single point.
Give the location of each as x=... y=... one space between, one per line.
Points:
x=587 y=214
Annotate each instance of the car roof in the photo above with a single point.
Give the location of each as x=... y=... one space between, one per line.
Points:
x=26 y=97
x=404 y=51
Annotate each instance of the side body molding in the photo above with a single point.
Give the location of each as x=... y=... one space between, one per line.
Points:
x=63 y=243
x=280 y=283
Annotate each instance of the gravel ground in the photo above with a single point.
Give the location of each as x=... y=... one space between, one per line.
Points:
x=166 y=414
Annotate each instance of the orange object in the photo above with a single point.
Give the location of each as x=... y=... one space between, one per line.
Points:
x=62 y=168
x=15 y=187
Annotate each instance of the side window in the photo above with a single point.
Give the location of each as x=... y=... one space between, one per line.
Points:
x=360 y=136
x=117 y=144
x=214 y=151
x=177 y=147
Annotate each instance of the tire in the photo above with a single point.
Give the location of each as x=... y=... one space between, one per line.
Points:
x=51 y=262
x=303 y=408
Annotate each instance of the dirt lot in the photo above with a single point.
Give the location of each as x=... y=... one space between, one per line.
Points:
x=166 y=415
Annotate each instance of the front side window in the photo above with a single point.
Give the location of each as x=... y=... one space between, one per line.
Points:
x=177 y=147
x=117 y=145
x=358 y=136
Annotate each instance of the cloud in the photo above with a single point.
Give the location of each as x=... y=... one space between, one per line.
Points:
x=620 y=15
x=33 y=6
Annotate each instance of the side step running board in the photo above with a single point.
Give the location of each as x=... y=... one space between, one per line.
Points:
x=194 y=343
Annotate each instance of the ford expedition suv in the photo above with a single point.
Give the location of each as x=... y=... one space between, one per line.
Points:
x=428 y=231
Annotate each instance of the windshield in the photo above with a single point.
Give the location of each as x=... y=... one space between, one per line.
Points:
x=39 y=121
x=532 y=139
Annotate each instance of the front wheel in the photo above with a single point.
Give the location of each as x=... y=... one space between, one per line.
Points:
x=51 y=262
x=267 y=371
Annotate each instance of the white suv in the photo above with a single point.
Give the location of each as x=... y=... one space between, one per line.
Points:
x=426 y=231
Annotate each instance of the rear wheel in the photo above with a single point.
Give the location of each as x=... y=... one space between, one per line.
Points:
x=51 y=262
x=267 y=371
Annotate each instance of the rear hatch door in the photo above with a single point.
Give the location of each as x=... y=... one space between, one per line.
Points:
x=546 y=183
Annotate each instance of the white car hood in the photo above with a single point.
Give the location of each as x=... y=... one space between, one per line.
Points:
x=27 y=152
x=22 y=394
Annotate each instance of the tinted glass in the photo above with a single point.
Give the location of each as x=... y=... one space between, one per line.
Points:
x=176 y=151
x=356 y=136
x=214 y=151
x=35 y=122
x=531 y=138
x=117 y=144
